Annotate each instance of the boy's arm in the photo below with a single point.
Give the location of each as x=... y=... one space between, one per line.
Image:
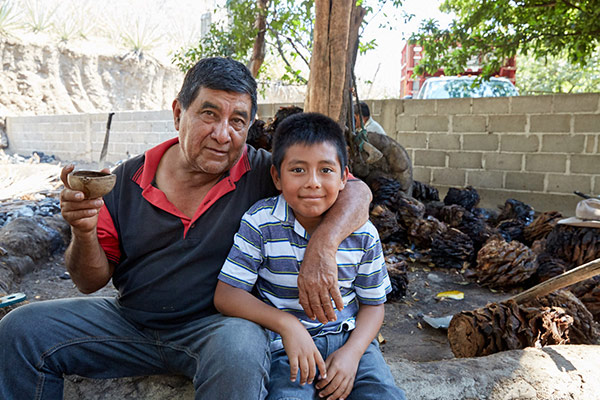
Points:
x=343 y=363
x=317 y=281
x=299 y=346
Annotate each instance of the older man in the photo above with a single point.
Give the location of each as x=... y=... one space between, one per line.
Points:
x=162 y=236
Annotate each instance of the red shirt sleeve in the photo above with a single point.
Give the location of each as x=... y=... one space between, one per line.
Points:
x=107 y=236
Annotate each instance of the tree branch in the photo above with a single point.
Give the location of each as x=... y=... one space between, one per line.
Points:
x=283 y=57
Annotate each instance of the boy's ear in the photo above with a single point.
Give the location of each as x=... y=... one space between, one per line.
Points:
x=275 y=177
x=344 y=177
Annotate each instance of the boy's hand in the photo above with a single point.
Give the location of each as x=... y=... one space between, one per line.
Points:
x=341 y=366
x=302 y=354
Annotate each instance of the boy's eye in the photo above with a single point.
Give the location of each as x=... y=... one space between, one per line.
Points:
x=297 y=170
x=327 y=170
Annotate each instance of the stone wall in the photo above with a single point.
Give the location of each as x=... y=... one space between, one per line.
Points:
x=537 y=149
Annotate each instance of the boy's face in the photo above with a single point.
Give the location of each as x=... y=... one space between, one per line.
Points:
x=310 y=180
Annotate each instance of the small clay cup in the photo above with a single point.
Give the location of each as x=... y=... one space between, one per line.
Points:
x=93 y=184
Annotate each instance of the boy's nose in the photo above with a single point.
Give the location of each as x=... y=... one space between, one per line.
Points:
x=313 y=180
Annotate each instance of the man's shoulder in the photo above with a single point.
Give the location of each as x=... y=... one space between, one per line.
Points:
x=259 y=157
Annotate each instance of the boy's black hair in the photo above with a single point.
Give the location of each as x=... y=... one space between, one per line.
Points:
x=217 y=73
x=364 y=109
x=308 y=129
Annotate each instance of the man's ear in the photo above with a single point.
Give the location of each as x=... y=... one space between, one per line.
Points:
x=275 y=176
x=344 y=177
x=177 y=112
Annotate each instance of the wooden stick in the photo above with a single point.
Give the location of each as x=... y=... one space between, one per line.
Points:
x=563 y=280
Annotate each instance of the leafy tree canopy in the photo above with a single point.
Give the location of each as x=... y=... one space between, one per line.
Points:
x=289 y=33
x=494 y=30
x=555 y=74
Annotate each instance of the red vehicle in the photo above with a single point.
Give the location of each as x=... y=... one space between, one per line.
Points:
x=410 y=83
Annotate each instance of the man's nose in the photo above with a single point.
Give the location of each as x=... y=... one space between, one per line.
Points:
x=221 y=132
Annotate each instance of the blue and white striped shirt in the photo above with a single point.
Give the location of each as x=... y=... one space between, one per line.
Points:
x=267 y=253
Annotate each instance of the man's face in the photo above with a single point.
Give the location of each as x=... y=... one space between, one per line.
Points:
x=310 y=180
x=213 y=130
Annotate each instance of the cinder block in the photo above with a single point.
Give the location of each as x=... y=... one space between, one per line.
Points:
x=519 y=143
x=160 y=126
x=569 y=183
x=545 y=162
x=422 y=174
x=590 y=143
x=430 y=158
x=144 y=126
x=387 y=115
x=524 y=181
x=444 y=141
x=265 y=111
x=488 y=142
x=485 y=179
x=507 y=123
x=503 y=161
x=531 y=104
x=596 y=186
x=490 y=105
x=448 y=177
x=419 y=107
x=580 y=102
x=587 y=123
x=563 y=143
x=454 y=106
x=432 y=123
x=464 y=159
x=468 y=123
x=412 y=140
x=585 y=164
x=405 y=123
x=551 y=123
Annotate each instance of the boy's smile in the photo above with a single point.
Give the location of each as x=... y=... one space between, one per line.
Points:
x=310 y=180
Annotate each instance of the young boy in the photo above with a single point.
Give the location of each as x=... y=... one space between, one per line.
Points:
x=309 y=168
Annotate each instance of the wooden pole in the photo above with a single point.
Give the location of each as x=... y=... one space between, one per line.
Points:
x=563 y=280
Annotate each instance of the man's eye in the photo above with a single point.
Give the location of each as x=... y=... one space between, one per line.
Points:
x=238 y=123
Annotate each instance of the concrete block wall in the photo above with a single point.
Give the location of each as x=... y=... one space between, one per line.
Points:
x=80 y=137
x=537 y=149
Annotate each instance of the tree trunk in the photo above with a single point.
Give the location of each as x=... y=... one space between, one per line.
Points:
x=258 y=50
x=332 y=62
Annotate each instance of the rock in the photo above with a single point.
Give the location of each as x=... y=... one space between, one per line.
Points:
x=35 y=237
x=553 y=372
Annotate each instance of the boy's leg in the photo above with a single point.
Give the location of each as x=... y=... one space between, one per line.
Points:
x=226 y=357
x=280 y=385
x=41 y=342
x=374 y=380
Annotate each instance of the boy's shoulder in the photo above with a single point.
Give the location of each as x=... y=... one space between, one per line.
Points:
x=267 y=204
x=368 y=230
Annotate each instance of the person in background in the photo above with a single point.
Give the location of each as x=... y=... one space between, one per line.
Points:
x=361 y=110
x=310 y=169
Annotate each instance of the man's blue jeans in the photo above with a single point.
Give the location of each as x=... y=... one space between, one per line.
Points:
x=226 y=358
x=373 y=377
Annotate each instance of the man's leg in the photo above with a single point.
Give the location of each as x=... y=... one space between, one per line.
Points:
x=41 y=342
x=227 y=358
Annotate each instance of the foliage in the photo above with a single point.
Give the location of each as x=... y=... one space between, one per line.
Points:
x=289 y=35
x=8 y=17
x=39 y=15
x=555 y=74
x=494 y=30
x=140 y=35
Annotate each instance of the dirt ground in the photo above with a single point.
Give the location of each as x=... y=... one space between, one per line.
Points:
x=407 y=336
